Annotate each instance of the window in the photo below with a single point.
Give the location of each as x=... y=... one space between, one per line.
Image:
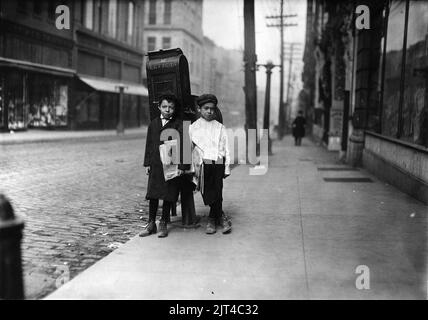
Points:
x=167 y=12
x=51 y=9
x=37 y=7
x=112 y=15
x=392 y=77
x=21 y=6
x=192 y=57
x=152 y=12
x=130 y=29
x=405 y=110
x=166 y=42
x=197 y=61
x=88 y=21
x=185 y=46
x=151 y=43
x=414 y=120
x=99 y=14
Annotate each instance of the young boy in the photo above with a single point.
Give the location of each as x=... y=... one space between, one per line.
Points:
x=210 y=141
x=157 y=187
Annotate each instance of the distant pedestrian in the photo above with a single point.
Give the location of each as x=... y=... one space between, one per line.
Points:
x=157 y=187
x=212 y=160
x=298 y=128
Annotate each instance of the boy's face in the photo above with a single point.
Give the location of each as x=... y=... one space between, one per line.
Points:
x=207 y=111
x=167 y=109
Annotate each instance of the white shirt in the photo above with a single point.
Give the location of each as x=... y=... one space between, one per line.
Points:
x=211 y=138
x=164 y=120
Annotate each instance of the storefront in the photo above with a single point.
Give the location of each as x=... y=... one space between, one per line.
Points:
x=396 y=142
x=403 y=112
x=97 y=103
x=33 y=95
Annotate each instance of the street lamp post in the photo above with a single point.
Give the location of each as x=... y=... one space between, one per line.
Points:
x=120 y=129
x=266 y=117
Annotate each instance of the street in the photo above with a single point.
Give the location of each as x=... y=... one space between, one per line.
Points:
x=79 y=200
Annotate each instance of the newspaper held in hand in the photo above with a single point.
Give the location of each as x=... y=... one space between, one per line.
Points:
x=170 y=158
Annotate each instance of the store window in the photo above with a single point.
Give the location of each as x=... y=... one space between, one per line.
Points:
x=405 y=112
x=88 y=111
x=48 y=100
x=15 y=101
x=392 y=76
x=414 y=119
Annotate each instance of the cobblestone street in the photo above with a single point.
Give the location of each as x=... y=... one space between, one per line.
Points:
x=79 y=200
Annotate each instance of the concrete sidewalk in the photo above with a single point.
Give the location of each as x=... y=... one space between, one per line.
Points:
x=295 y=236
x=36 y=136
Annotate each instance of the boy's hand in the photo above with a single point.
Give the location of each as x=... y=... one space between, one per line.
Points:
x=147 y=170
x=180 y=172
x=226 y=172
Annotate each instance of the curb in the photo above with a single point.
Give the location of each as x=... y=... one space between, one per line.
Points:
x=94 y=138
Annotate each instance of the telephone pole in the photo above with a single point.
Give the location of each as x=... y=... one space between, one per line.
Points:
x=281 y=25
x=291 y=46
x=250 y=60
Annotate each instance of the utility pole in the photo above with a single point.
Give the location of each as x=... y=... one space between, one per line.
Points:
x=292 y=49
x=266 y=118
x=250 y=60
x=281 y=25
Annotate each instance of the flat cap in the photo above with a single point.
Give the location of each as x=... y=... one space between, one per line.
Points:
x=205 y=98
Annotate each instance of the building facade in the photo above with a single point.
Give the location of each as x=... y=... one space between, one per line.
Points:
x=70 y=78
x=223 y=76
x=383 y=72
x=176 y=24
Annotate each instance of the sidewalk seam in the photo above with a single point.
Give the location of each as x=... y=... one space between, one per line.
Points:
x=303 y=238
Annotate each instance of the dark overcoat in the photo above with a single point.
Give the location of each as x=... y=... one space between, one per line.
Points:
x=299 y=127
x=157 y=187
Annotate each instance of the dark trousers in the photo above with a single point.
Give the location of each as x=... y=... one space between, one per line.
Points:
x=216 y=210
x=213 y=188
x=297 y=141
x=166 y=209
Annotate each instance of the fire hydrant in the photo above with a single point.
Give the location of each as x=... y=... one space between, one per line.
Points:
x=11 y=281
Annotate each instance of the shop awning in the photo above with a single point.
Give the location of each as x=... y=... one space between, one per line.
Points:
x=107 y=85
x=37 y=67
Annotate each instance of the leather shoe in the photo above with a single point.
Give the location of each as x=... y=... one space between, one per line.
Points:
x=226 y=224
x=210 y=226
x=163 y=230
x=150 y=229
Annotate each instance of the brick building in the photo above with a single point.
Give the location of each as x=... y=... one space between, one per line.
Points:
x=70 y=78
x=375 y=80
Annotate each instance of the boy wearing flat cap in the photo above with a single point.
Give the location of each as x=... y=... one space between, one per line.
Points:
x=210 y=142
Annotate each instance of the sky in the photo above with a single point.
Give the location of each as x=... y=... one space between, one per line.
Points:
x=223 y=23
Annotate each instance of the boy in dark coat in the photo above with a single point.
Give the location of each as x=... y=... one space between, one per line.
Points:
x=157 y=187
